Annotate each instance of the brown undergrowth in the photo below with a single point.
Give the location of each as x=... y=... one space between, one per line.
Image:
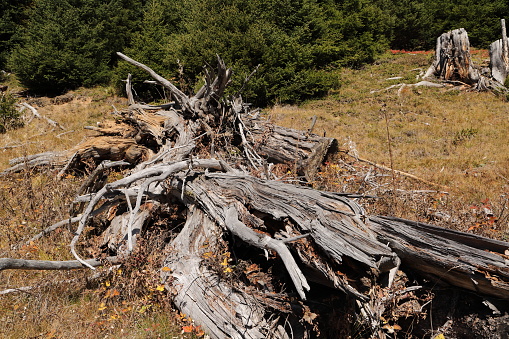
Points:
x=122 y=301
x=111 y=302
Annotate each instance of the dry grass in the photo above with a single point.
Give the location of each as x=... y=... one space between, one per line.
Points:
x=86 y=107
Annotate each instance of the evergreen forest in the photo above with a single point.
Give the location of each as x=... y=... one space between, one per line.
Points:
x=57 y=45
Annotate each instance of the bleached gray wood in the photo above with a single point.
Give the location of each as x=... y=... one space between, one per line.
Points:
x=499 y=58
x=505 y=50
x=452 y=58
x=497 y=63
x=9 y=264
x=39 y=116
x=117 y=233
x=301 y=150
x=178 y=94
x=246 y=234
x=222 y=309
x=464 y=260
x=161 y=171
x=333 y=222
x=129 y=90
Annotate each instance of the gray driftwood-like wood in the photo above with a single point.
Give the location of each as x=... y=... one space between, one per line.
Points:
x=216 y=304
x=39 y=116
x=460 y=259
x=499 y=56
x=10 y=264
x=302 y=150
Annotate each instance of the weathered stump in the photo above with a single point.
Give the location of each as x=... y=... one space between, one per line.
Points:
x=452 y=58
x=499 y=57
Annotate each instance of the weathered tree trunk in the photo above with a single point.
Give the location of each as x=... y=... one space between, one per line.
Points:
x=452 y=58
x=460 y=259
x=303 y=151
x=499 y=57
x=219 y=305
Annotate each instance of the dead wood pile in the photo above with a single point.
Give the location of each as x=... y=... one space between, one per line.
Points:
x=294 y=248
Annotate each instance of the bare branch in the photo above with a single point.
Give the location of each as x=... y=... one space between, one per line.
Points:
x=39 y=116
x=10 y=264
x=234 y=225
x=178 y=94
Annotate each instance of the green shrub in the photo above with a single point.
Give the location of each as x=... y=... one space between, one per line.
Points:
x=12 y=18
x=9 y=117
x=71 y=43
x=296 y=43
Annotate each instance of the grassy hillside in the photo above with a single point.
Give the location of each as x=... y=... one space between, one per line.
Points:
x=454 y=141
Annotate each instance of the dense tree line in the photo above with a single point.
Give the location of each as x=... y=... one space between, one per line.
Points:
x=57 y=45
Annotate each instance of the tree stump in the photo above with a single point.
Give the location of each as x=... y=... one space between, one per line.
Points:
x=499 y=57
x=452 y=58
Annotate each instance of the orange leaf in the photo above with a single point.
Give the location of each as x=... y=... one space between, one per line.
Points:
x=199 y=331
x=166 y=269
x=111 y=293
x=187 y=329
x=51 y=334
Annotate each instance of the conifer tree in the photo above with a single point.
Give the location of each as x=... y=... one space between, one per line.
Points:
x=71 y=43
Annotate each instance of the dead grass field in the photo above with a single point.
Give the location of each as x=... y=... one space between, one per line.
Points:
x=455 y=139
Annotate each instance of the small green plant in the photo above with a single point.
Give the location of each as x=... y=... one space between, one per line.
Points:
x=464 y=134
x=506 y=82
x=9 y=117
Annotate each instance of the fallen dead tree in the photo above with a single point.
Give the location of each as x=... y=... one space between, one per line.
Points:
x=256 y=257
